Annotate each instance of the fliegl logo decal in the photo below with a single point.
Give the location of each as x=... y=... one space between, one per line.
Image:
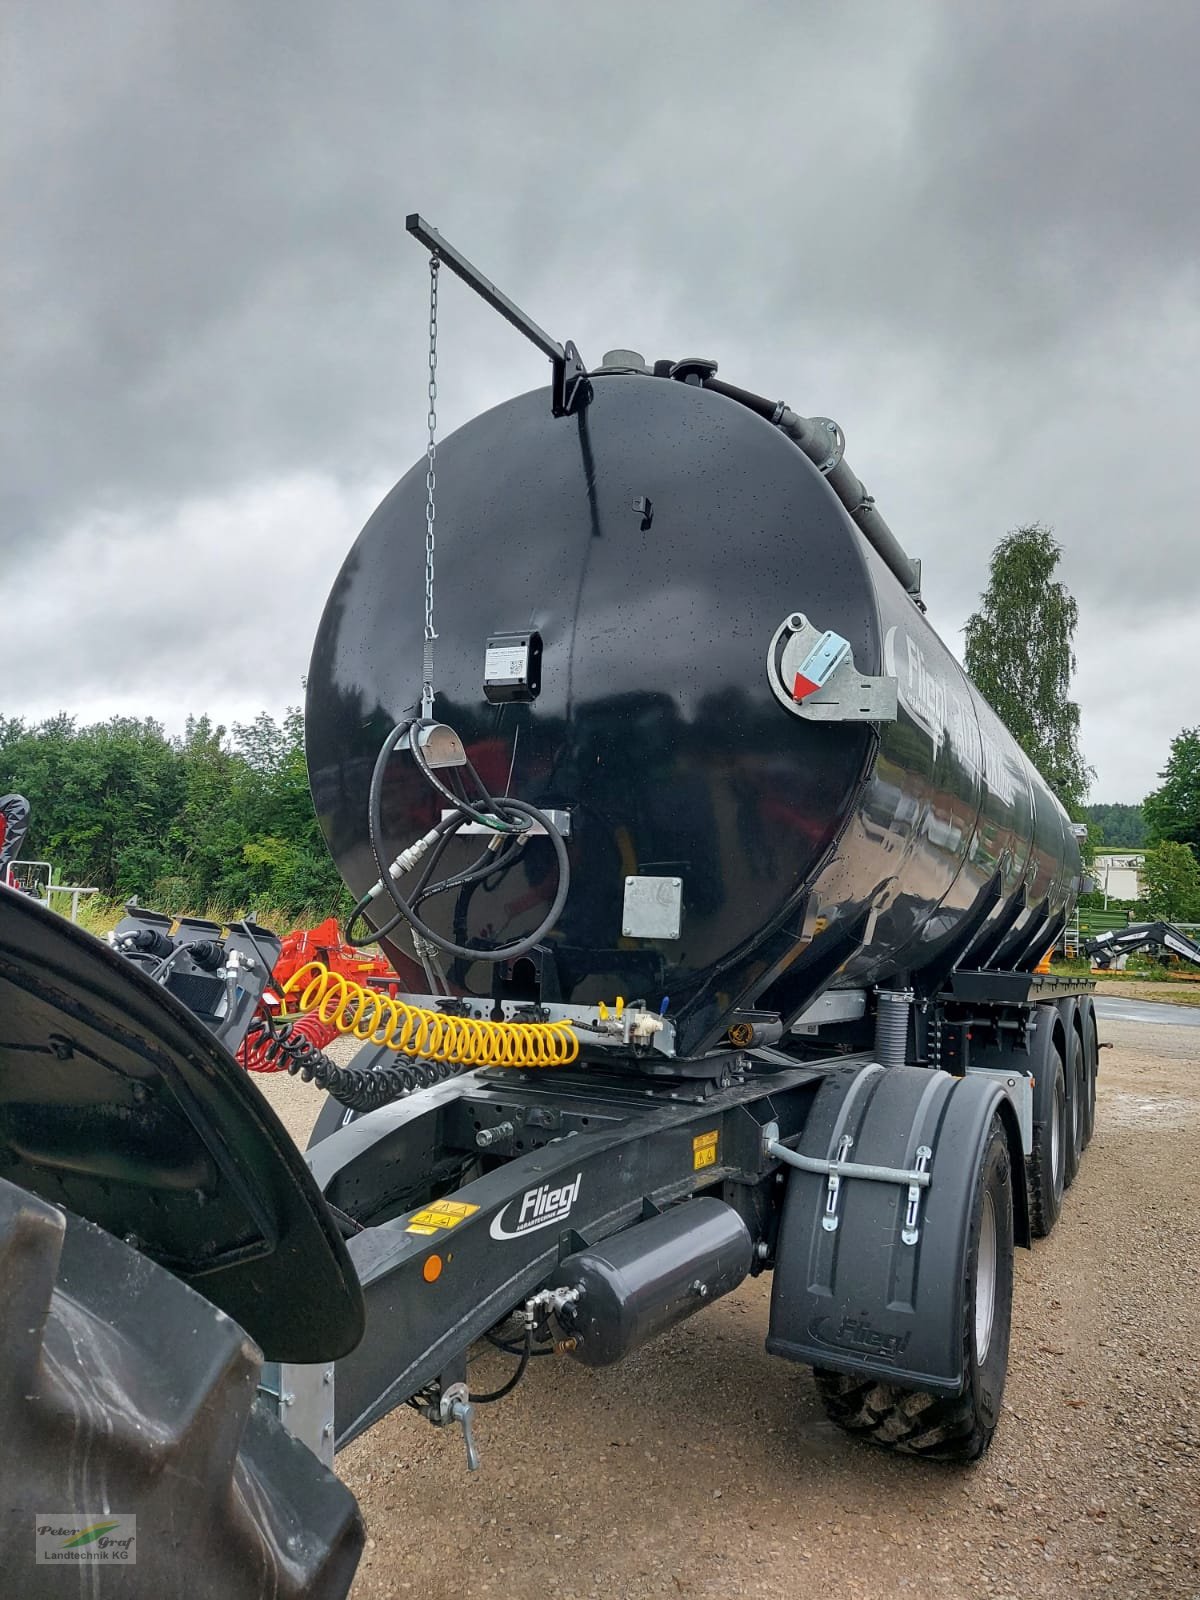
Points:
x=537 y=1208
x=856 y=1333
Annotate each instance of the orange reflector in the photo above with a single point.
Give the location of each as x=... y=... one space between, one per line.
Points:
x=432 y=1270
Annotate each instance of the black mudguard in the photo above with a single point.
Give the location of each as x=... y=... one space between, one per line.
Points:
x=858 y=1299
x=1052 y=1026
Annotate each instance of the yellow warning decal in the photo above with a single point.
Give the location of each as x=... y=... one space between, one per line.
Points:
x=704 y=1149
x=445 y=1214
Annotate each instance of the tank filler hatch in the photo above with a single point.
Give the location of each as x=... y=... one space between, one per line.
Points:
x=813 y=674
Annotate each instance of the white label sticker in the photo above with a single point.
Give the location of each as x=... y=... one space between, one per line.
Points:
x=503 y=663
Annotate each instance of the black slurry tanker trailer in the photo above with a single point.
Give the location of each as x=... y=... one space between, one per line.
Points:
x=714 y=894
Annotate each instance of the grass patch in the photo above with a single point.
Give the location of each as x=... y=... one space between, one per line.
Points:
x=100 y=916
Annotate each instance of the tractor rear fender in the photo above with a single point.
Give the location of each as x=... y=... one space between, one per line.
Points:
x=865 y=1295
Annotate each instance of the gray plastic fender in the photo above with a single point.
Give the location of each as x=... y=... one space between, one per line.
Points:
x=856 y=1298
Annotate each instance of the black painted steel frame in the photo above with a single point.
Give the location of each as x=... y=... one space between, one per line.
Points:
x=625 y=1150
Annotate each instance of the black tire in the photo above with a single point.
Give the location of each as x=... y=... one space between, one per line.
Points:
x=1076 y=1103
x=1047 y=1163
x=1091 y=1065
x=123 y=1391
x=957 y=1428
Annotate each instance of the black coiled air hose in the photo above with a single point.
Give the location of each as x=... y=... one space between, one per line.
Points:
x=357 y=1088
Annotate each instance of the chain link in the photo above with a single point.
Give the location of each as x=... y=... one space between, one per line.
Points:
x=430 y=486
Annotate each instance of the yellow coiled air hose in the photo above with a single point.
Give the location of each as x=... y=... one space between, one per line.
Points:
x=377 y=1018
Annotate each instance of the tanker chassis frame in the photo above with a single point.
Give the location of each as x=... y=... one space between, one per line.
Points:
x=505 y=1191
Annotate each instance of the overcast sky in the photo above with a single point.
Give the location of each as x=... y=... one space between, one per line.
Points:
x=970 y=232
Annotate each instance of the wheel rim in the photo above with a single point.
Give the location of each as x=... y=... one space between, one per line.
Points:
x=985 y=1279
x=1056 y=1136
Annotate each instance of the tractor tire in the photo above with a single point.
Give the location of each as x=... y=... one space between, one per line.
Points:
x=125 y=1393
x=954 y=1428
x=1047 y=1163
x=1076 y=1106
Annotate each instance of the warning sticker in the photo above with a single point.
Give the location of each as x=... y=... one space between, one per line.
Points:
x=704 y=1149
x=445 y=1214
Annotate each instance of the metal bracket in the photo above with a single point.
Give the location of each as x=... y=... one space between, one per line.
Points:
x=836 y=1170
x=813 y=674
x=560 y=819
x=834 y=1187
x=1018 y=1088
x=570 y=388
x=300 y=1395
x=440 y=746
x=835 y=1005
x=911 y=1232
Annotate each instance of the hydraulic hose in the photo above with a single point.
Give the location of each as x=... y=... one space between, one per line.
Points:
x=504 y=817
x=822 y=442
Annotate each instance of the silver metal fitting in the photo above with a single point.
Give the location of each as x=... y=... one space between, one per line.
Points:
x=490 y=1136
x=550 y=1302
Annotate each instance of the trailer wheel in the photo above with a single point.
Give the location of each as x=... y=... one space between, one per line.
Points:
x=1076 y=1079
x=1047 y=1163
x=123 y=1392
x=955 y=1428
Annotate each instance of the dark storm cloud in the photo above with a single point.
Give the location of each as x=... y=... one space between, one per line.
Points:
x=967 y=232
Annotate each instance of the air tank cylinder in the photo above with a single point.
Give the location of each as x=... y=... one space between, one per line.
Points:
x=653 y=1275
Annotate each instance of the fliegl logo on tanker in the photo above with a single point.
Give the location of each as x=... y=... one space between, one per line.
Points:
x=537 y=1208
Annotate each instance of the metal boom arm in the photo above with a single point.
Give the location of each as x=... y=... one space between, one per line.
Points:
x=571 y=388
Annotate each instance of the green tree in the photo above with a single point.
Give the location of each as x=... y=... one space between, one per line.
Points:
x=1173 y=810
x=206 y=820
x=1171 y=881
x=102 y=798
x=1116 y=827
x=1020 y=654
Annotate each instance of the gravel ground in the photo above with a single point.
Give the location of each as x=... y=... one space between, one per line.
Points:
x=1181 y=991
x=703 y=1467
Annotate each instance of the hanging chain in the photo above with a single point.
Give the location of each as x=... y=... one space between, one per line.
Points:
x=430 y=485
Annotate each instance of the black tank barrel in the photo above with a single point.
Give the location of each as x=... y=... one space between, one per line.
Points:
x=730 y=847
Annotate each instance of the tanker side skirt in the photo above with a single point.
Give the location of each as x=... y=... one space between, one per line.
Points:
x=929 y=980
x=1011 y=947
x=1046 y=938
x=984 y=954
x=436 y=1278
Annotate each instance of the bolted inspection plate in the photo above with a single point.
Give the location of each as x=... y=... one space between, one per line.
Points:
x=653 y=908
